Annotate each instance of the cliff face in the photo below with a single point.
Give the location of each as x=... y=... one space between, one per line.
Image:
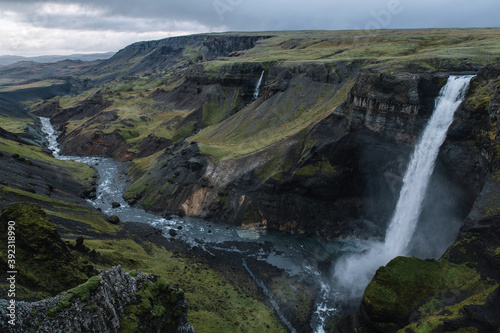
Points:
x=159 y=55
x=347 y=166
x=325 y=144
x=395 y=107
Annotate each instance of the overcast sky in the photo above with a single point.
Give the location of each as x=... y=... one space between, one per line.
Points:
x=30 y=27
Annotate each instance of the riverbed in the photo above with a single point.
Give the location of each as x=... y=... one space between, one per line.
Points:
x=308 y=260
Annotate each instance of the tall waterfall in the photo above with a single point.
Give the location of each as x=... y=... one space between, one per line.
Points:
x=257 y=87
x=418 y=174
x=354 y=272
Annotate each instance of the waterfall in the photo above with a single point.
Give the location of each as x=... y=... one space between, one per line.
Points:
x=257 y=87
x=418 y=174
x=353 y=272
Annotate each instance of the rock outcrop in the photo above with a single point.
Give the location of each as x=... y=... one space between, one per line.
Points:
x=174 y=52
x=394 y=107
x=110 y=302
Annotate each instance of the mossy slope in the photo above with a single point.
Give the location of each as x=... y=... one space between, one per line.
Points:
x=424 y=293
x=43 y=261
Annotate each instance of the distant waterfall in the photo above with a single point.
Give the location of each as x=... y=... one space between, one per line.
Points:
x=257 y=87
x=354 y=272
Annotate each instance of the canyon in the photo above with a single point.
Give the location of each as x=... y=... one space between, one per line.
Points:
x=306 y=133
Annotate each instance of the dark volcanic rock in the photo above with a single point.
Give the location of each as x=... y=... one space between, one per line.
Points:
x=181 y=168
x=396 y=107
x=113 y=219
x=151 y=145
x=159 y=54
x=87 y=108
x=89 y=193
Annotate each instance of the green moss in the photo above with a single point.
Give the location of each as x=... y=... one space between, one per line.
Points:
x=149 y=310
x=192 y=54
x=310 y=170
x=90 y=308
x=481 y=95
x=142 y=185
x=43 y=261
x=429 y=321
x=139 y=166
x=282 y=116
x=410 y=281
x=14 y=124
x=82 y=292
x=218 y=110
x=427 y=293
x=79 y=172
x=299 y=297
x=184 y=131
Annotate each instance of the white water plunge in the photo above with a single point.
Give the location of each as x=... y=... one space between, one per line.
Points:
x=257 y=87
x=353 y=272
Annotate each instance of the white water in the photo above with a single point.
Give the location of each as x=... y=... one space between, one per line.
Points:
x=257 y=87
x=353 y=272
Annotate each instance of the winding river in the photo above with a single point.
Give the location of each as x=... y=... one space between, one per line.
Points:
x=307 y=259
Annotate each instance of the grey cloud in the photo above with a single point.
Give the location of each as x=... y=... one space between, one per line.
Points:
x=187 y=16
x=274 y=15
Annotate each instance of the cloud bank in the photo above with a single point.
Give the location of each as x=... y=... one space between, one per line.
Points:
x=36 y=27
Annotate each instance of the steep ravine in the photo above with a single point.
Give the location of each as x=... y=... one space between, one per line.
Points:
x=322 y=152
x=345 y=167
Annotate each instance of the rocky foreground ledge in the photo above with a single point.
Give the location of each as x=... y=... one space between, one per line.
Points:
x=109 y=302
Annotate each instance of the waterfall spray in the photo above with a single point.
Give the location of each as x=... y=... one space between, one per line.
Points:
x=354 y=272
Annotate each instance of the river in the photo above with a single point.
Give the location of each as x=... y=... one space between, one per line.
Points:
x=308 y=259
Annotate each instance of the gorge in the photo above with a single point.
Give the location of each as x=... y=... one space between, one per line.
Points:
x=267 y=167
